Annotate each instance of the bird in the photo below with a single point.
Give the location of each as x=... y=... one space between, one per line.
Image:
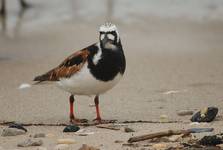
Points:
x=91 y=71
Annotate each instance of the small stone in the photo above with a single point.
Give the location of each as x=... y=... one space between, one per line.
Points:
x=205 y=115
x=126 y=129
x=39 y=135
x=50 y=135
x=212 y=140
x=66 y=141
x=163 y=118
x=24 y=86
x=71 y=128
x=30 y=142
x=160 y=146
x=86 y=147
x=118 y=141
x=175 y=138
x=185 y=112
x=83 y=132
x=17 y=126
x=61 y=147
x=12 y=132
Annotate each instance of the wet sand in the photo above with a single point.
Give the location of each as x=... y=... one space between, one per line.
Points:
x=162 y=55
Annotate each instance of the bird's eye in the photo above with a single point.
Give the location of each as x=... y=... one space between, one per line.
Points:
x=111 y=37
x=102 y=36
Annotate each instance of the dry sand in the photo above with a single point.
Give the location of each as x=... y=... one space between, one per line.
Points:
x=162 y=55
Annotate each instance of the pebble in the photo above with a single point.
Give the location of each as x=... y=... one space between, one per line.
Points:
x=163 y=118
x=160 y=146
x=61 y=147
x=50 y=135
x=12 y=132
x=118 y=141
x=175 y=138
x=83 y=132
x=30 y=142
x=39 y=135
x=205 y=115
x=211 y=140
x=185 y=112
x=87 y=147
x=24 y=86
x=17 y=126
x=71 y=128
x=127 y=129
x=66 y=141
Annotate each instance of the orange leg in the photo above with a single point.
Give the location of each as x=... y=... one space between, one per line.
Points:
x=72 y=117
x=96 y=101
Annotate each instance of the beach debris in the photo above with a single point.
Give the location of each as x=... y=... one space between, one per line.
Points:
x=39 y=135
x=61 y=147
x=24 y=86
x=181 y=133
x=157 y=135
x=30 y=142
x=207 y=114
x=41 y=148
x=12 y=132
x=211 y=140
x=17 y=126
x=108 y=126
x=87 y=147
x=194 y=123
x=185 y=112
x=175 y=138
x=118 y=141
x=71 y=128
x=160 y=146
x=84 y=132
x=50 y=135
x=163 y=118
x=173 y=92
x=200 y=130
x=66 y=141
x=127 y=129
x=134 y=145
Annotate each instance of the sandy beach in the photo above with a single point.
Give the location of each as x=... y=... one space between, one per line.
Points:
x=172 y=64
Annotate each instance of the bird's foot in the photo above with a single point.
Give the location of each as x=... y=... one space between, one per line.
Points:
x=78 y=121
x=102 y=121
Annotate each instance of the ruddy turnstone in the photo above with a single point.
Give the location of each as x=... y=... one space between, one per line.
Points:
x=91 y=71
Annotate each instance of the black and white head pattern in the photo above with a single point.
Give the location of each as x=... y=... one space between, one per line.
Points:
x=109 y=33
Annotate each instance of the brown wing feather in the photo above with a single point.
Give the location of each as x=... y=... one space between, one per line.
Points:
x=68 y=67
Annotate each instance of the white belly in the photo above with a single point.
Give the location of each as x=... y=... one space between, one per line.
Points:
x=83 y=83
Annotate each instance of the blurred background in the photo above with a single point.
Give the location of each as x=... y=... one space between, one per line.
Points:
x=171 y=45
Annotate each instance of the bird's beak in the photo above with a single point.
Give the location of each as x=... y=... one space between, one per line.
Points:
x=106 y=40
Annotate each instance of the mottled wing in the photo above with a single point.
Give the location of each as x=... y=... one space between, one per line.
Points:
x=67 y=68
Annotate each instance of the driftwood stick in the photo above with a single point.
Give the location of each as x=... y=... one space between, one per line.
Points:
x=157 y=135
x=107 y=127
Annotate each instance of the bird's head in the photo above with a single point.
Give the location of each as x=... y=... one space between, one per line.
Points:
x=109 y=36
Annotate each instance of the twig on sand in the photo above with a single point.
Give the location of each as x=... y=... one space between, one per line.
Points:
x=158 y=135
x=88 y=123
x=169 y=133
x=111 y=127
